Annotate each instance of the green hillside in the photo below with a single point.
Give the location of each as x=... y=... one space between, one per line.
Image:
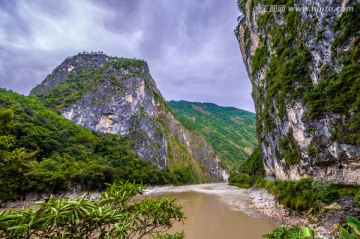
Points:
x=40 y=151
x=230 y=131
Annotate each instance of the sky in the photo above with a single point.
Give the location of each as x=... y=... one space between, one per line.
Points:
x=189 y=45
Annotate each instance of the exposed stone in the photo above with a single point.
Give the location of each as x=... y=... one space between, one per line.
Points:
x=334 y=161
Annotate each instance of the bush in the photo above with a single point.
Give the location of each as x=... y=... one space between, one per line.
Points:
x=291 y=232
x=241 y=180
x=253 y=165
x=302 y=195
x=348 y=230
x=110 y=217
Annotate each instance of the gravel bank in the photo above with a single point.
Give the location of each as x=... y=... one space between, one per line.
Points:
x=266 y=204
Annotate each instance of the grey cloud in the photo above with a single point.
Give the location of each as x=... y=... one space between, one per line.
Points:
x=192 y=52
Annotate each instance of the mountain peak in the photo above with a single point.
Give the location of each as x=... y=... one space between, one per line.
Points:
x=83 y=63
x=119 y=96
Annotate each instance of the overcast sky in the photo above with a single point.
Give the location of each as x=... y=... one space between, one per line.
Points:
x=190 y=45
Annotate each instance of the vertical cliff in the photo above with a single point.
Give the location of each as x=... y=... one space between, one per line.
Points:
x=119 y=96
x=303 y=61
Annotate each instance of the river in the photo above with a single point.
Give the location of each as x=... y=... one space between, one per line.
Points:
x=215 y=211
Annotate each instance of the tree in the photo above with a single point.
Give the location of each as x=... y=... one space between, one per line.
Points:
x=113 y=216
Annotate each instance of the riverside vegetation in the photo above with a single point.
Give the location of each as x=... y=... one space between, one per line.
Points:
x=305 y=196
x=113 y=216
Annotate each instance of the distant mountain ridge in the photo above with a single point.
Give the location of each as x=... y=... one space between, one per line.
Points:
x=230 y=131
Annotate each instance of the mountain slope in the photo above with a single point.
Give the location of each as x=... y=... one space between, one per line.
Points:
x=118 y=96
x=305 y=71
x=41 y=152
x=230 y=131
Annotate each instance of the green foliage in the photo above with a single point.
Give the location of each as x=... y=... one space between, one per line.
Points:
x=291 y=232
x=186 y=174
x=241 y=180
x=113 y=216
x=306 y=194
x=230 y=131
x=40 y=151
x=247 y=39
x=253 y=165
x=348 y=24
x=350 y=229
x=302 y=195
x=241 y=5
x=6 y=120
x=250 y=173
x=290 y=150
x=258 y=59
x=338 y=91
x=287 y=74
x=79 y=85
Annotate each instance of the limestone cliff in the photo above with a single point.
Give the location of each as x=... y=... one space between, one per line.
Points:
x=303 y=61
x=118 y=96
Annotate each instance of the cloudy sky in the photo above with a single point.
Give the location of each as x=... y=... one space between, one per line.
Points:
x=190 y=45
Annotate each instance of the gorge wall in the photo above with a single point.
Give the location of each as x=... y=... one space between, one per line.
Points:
x=303 y=62
x=119 y=96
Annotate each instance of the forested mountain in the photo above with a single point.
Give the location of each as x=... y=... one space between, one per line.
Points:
x=40 y=151
x=230 y=131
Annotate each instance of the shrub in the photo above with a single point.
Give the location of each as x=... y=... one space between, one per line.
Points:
x=291 y=232
x=110 y=217
x=241 y=180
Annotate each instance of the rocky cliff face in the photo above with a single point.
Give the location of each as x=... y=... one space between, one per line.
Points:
x=119 y=96
x=303 y=61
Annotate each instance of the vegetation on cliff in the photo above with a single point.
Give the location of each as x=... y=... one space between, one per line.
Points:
x=299 y=86
x=230 y=131
x=80 y=84
x=338 y=91
x=304 y=66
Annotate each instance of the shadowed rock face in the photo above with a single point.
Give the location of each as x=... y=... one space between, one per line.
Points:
x=119 y=96
x=305 y=81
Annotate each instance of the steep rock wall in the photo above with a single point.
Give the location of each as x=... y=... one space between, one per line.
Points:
x=303 y=62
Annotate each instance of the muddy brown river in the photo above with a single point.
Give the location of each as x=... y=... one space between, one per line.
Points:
x=216 y=211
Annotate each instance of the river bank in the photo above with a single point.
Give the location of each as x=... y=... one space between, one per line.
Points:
x=266 y=204
x=33 y=198
x=250 y=201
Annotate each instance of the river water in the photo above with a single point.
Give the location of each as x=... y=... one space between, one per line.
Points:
x=215 y=211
